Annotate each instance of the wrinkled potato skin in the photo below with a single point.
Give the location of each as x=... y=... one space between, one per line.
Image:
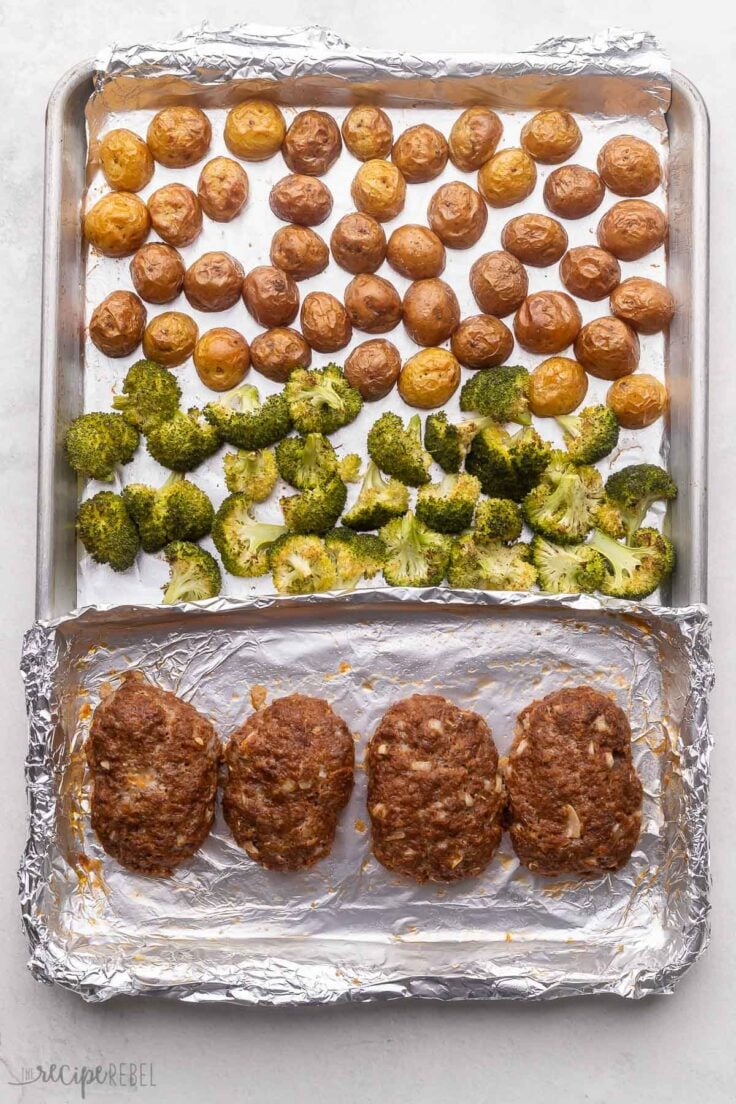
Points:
x=499 y=283
x=474 y=137
x=126 y=160
x=589 y=272
x=325 y=323
x=416 y=252
x=373 y=368
x=535 y=240
x=222 y=358
x=457 y=214
x=117 y=225
x=638 y=400
x=507 y=178
x=300 y=252
x=629 y=166
x=373 y=304
x=647 y=306
x=547 y=322
x=222 y=189
x=176 y=214
x=572 y=192
x=420 y=153
x=632 y=228
x=482 y=341
x=557 y=386
x=431 y=312
x=271 y=296
x=157 y=272
x=169 y=339
x=302 y=200
x=551 y=136
x=179 y=136
x=429 y=379
x=368 y=132
x=379 y=190
x=214 y=282
x=312 y=144
x=358 y=243
x=117 y=324
x=254 y=130
x=607 y=348
x=277 y=352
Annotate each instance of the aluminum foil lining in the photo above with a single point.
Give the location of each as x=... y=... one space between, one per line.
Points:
x=223 y=929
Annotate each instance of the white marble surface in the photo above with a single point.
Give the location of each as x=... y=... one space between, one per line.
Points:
x=669 y=1051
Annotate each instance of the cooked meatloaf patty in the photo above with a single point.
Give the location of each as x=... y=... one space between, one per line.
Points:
x=435 y=796
x=574 y=798
x=290 y=775
x=153 y=760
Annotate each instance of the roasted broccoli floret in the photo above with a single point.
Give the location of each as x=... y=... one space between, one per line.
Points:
x=499 y=393
x=107 y=530
x=398 y=451
x=498 y=519
x=567 y=569
x=634 y=570
x=246 y=422
x=315 y=510
x=348 y=468
x=448 y=442
x=416 y=556
x=178 y=511
x=183 y=442
x=591 y=434
x=195 y=574
x=448 y=506
x=150 y=395
x=508 y=466
x=97 y=443
x=301 y=565
x=251 y=473
x=321 y=400
x=480 y=564
x=356 y=556
x=307 y=461
x=630 y=494
x=379 y=500
x=561 y=507
x=241 y=540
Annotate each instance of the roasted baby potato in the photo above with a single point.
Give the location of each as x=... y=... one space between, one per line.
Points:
x=474 y=137
x=222 y=358
x=169 y=339
x=431 y=312
x=645 y=305
x=630 y=166
x=482 y=341
x=118 y=224
x=632 y=228
x=638 y=400
x=420 y=153
x=537 y=240
x=222 y=189
x=379 y=190
x=325 y=322
x=499 y=283
x=179 y=136
x=254 y=130
x=299 y=251
x=271 y=296
x=429 y=379
x=373 y=368
x=547 y=322
x=373 y=304
x=312 y=144
x=416 y=252
x=213 y=282
x=358 y=243
x=589 y=272
x=557 y=386
x=367 y=132
x=301 y=199
x=176 y=214
x=126 y=160
x=507 y=178
x=277 y=352
x=157 y=272
x=572 y=191
x=117 y=324
x=551 y=136
x=457 y=214
x=607 y=348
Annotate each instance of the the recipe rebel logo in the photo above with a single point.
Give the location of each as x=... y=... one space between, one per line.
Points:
x=112 y=1075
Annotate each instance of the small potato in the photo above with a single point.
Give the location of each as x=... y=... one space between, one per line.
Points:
x=416 y=252
x=312 y=144
x=607 y=348
x=117 y=324
x=431 y=312
x=367 y=132
x=300 y=199
x=373 y=304
x=536 y=240
x=457 y=214
x=547 y=322
x=169 y=339
x=179 y=136
x=429 y=379
x=482 y=341
x=474 y=137
x=126 y=160
x=420 y=153
x=157 y=272
x=325 y=323
x=276 y=353
x=358 y=243
x=645 y=305
x=632 y=228
x=117 y=225
x=222 y=358
x=572 y=192
x=214 y=282
x=379 y=190
x=589 y=272
x=373 y=368
x=299 y=251
x=630 y=166
x=271 y=296
x=254 y=130
x=499 y=283
x=507 y=178
x=176 y=214
x=551 y=136
x=637 y=401
x=222 y=189
x=557 y=386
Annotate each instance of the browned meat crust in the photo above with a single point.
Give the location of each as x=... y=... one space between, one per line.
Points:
x=434 y=792
x=574 y=796
x=153 y=760
x=290 y=775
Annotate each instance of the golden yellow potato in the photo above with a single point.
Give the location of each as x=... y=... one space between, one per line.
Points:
x=630 y=166
x=367 y=132
x=118 y=224
x=221 y=358
x=126 y=160
x=429 y=379
x=474 y=137
x=638 y=400
x=557 y=386
x=551 y=136
x=169 y=339
x=254 y=130
x=507 y=178
x=179 y=136
x=379 y=190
